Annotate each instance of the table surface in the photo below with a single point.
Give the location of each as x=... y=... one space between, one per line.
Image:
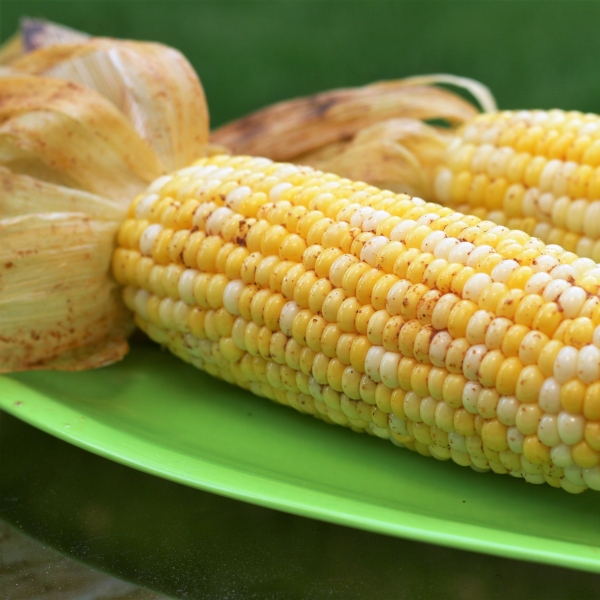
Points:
x=75 y=525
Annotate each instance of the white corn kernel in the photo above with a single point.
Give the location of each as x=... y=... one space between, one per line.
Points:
x=397 y=425
x=537 y=283
x=427 y=219
x=549 y=399
x=234 y=199
x=389 y=369
x=571 y=301
x=503 y=270
x=515 y=439
x=554 y=289
x=144 y=206
x=185 y=285
x=217 y=219
x=566 y=272
x=457 y=442
x=140 y=302
x=574 y=474
x=548 y=173
x=360 y=215
x=286 y=318
x=231 y=296
x=565 y=364
x=470 y=395
x=588 y=364
x=339 y=267
x=570 y=427
x=444 y=247
x=439 y=348
x=496 y=331
x=401 y=230
x=561 y=455
x=507 y=410
x=473 y=359
x=475 y=285
x=547 y=431
x=372 y=222
x=371 y=249
x=159 y=183
x=478 y=253
x=432 y=240
x=544 y=263
x=149 y=237
x=373 y=362
x=583 y=266
x=460 y=253
x=591 y=477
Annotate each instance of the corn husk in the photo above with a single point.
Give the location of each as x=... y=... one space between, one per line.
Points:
x=398 y=154
x=376 y=133
x=67 y=134
x=152 y=85
x=85 y=126
x=37 y=33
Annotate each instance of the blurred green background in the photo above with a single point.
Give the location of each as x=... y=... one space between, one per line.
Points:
x=253 y=52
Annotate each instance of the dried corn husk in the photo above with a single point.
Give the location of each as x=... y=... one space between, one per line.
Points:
x=153 y=85
x=59 y=306
x=385 y=155
x=84 y=127
x=374 y=133
x=34 y=34
x=70 y=135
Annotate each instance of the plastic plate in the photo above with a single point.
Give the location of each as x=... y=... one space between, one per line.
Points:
x=157 y=414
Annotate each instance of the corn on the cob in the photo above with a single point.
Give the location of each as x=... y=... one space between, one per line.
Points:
x=538 y=171
x=452 y=336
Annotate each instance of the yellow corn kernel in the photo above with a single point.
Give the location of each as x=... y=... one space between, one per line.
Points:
x=508 y=375
x=572 y=396
x=494 y=435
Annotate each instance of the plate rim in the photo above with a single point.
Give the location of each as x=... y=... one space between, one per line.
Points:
x=45 y=413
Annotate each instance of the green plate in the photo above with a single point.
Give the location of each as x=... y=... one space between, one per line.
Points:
x=157 y=414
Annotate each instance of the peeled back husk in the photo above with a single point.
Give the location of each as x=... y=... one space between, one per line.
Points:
x=152 y=85
x=84 y=128
x=378 y=133
x=59 y=306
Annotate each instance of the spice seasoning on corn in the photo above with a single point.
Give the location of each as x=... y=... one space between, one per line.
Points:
x=452 y=336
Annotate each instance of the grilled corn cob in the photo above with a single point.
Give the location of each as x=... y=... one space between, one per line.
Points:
x=538 y=171
x=452 y=336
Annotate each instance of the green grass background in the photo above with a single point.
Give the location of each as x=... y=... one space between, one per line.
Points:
x=253 y=52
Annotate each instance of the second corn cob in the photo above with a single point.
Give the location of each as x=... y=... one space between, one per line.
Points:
x=452 y=336
x=538 y=171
